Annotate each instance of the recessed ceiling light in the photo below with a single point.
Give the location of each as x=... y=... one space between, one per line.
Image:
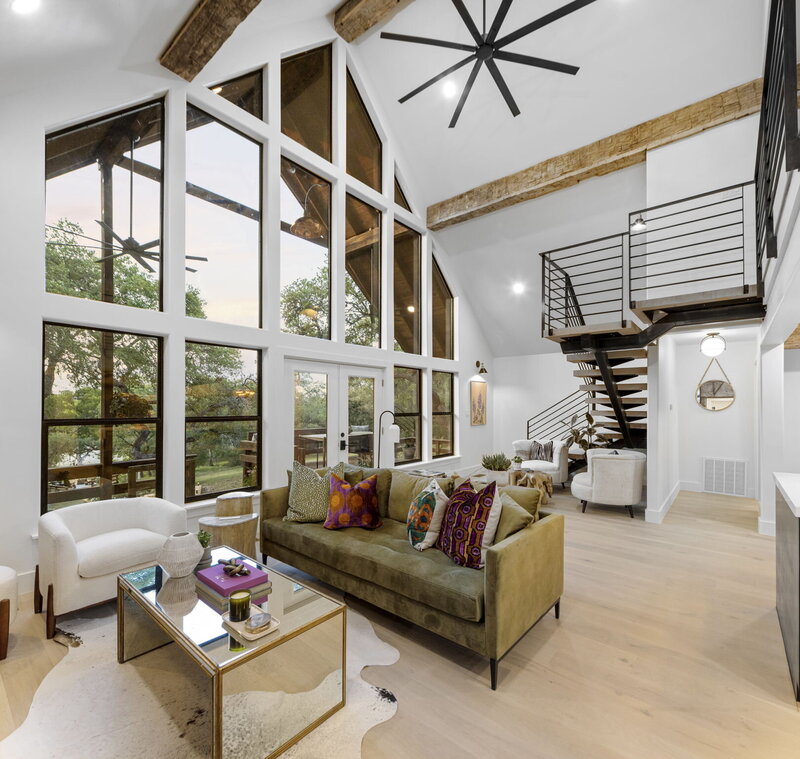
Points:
x=518 y=288
x=449 y=89
x=24 y=7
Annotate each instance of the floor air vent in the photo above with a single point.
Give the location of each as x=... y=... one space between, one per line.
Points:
x=725 y=476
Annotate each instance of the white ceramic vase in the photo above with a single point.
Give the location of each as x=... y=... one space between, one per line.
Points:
x=501 y=478
x=178 y=596
x=180 y=554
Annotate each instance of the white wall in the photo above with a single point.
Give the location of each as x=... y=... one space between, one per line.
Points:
x=524 y=386
x=791 y=407
x=70 y=96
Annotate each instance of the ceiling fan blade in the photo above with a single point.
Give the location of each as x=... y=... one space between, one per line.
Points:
x=502 y=86
x=438 y=77
x=500 y=16
x=111 y=232
x=197 y=258
x=112 y=257
x=149 y=244
x=427 y=41
x=541 y=63
x=467 y=19
x=139 y=260
x=549 y=18
x=465 y=94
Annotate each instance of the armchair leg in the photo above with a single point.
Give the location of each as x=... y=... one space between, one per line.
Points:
x=493 y=670
x=583 y=510
x=630 y=511
x=557 y=609
x=50 y=623
x=37 y=593
x=264 y=558
x=5 y=619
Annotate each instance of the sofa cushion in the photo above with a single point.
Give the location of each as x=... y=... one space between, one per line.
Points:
x=309 y=492
x=384 y=485
x=465 y=527
x=353 y=505
x=425 y=516
x=385 y=557
x=405 y=487
x=114 y=551
x=528 y=498
x=512 y=519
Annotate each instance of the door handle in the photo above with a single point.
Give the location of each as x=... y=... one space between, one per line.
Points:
x=342 y=445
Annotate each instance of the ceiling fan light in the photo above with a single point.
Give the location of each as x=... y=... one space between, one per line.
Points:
x=307 y=228
x=712 y=345
x=639 y=224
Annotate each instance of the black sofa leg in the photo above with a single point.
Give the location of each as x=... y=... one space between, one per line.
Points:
x=493 y=669
x=583 y=510
x=264 y=558
x=630 y=510
x=557 y=609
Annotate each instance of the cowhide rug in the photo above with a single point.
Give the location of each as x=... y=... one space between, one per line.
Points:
x=155 y=707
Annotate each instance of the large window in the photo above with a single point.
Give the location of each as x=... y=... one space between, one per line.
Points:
x=362 y=284
x=399 y=195
x=305 y=252
x=364 y=149
x=103 y=209
x=407 y=261
x=223 y=222
x=223 y=419
x=441 y=315
x=408 y=414
x=101 y=415
x=246 y=91
x=306 y=99
x=442 y=426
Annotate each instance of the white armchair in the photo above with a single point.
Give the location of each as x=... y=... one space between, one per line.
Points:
x=614 y=478
x=558 y=468
x=83 y=548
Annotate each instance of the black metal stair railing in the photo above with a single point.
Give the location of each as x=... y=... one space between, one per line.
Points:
x=700 y=243
x=552 y=423
x=583 y=284
x=778 y=137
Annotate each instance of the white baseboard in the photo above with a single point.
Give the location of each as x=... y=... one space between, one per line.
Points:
x=25 y=582
x=766 y=527
x=697 y=487
x=656 y=516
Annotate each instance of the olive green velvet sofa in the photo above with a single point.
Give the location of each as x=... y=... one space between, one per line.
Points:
x=486 y=610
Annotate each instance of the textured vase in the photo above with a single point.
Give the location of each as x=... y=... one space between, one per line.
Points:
x=178 y=596
x=501 y=478
x=180 y=554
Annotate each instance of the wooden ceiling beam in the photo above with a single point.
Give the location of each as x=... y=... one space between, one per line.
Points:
x=609 y=154
x=356 y=17
x=203 y=33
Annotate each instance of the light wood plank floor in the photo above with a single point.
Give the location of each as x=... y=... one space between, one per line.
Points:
x=668 y=647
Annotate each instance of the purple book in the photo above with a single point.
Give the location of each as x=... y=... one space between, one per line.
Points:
x=223 y=584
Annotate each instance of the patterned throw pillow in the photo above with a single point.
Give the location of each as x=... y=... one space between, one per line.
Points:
x=542 y=451
x=309 y=493
x=465 y=524
x=425 y=516
x=353 y=505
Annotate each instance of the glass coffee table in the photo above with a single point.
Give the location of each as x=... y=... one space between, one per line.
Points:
x=264 y=695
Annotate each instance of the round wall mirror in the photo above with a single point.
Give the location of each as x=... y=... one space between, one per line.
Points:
x=715 y=395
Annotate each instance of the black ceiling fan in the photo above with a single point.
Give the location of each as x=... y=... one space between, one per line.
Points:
x=487 y=49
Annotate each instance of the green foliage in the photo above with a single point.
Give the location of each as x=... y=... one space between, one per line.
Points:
x=204 y=538
x=583 y=433
x=517 y=459
x=496 y=462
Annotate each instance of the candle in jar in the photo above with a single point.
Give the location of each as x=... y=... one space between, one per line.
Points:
x=239 y=606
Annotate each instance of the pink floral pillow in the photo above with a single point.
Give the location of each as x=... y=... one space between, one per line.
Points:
x=464 y=525
x=353 y=505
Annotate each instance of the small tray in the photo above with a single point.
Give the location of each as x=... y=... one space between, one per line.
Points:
x=238 y=627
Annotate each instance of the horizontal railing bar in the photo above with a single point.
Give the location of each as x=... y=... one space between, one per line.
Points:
x=688 y=245
x=691 y=268
x=689 y=258
x=686 y=234
x=691 y=221
x=105 y=421
x=695 y=197
x=578 y=245
x=695 y=208
x=688 y=281
x=594 y=271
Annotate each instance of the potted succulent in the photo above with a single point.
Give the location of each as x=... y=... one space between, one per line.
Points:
x=516 y=463
x=204 y=538
x=496 y=466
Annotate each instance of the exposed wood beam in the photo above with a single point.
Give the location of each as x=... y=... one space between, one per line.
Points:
x=793 y=341
x=607 y=155
x=209 y=25
x=356 y=17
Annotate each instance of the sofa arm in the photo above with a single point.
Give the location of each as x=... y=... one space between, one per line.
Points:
x=524 y=578
x=58 y=552
x=274 y=503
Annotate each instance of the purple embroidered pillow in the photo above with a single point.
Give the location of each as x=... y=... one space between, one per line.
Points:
x=464 y=524
x=353 y=505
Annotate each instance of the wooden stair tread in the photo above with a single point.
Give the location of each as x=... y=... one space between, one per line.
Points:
x=609 y=328
x=626 y=400
x=646 y=308
x=589 y=357
x=629 y=413
x=624 y=371
x=632 y=425
x=621 y=387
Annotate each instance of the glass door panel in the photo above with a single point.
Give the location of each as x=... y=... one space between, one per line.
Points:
x=311 y=418
x=361 y=421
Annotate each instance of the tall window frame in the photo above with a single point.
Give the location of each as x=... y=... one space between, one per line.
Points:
x=443 y=412
x=256 y=419
x=104 y=421
x=413 y=412
x=443 y=343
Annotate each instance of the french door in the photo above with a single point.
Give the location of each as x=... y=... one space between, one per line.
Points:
x=334 y=413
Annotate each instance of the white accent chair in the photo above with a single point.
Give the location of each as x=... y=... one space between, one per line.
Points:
x=83 y=548
x=8 y=606
x=614 y=478
x=558 y=468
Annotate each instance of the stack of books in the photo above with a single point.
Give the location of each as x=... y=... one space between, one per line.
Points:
x=215 y=587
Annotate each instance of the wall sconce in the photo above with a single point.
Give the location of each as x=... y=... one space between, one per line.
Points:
x=392 y=438
x=482 y=372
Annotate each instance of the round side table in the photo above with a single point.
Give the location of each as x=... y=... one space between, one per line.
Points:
x=8 y=605
x=237 y=532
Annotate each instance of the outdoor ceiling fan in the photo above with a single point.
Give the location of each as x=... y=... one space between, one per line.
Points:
x=487 y=49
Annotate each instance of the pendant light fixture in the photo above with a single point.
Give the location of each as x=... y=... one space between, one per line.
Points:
x=712 y=345
x=639 y=224
x=307 y=227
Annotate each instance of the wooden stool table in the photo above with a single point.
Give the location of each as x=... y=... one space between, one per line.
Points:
x=237 y=532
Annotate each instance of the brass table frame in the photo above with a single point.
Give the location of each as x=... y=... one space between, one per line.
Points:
x=212 y=669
